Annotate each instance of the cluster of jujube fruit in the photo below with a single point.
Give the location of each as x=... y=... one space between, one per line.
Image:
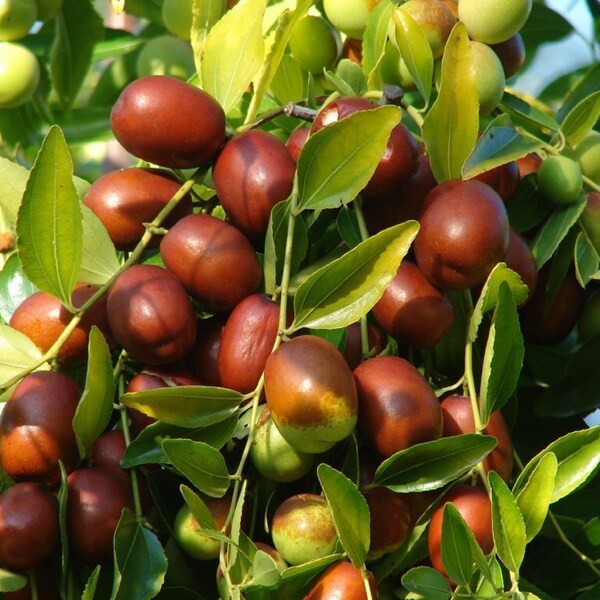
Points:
x=191 y=310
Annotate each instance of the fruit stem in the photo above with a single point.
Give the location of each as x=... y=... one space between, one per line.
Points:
x=135 y=490
x=591 y=183
x=366 y=583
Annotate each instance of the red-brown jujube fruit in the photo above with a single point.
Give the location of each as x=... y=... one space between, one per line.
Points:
x=503 y=179
x=126 y=199
x=511 y=53
x=413 y=311
x=168 y=122
x=397 y=407
x=254 y=171
x=520 y=259
x=296 y=141
x=29 y=528
x=341 y=581
x=202 y=360
x=528 y=164
x=36 y=430
x=464 y=234
x=353 y=346
x=214 y=260
x=43 y=318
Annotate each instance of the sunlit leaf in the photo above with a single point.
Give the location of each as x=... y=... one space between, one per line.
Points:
x=427 y=583
x=11 y=582
x=374 y=39
x=14 y=287
x=99 y=260
x=581 y=119
x=205 y=13
x=457 y=546
x=17 y=352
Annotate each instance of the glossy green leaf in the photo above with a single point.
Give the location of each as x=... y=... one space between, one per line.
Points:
x=451 y=125
x=586 y=259
x=427 y=583
x=431 y=465
x=96 y=405
x=17 y=352
x=13 y=179
x=14 y=287
x=527 y=115
x=503 y=358
x=588 y=84
x=99 y=260
x=351 y=73
x=11 y=582
x=186 y=406
x=457 y=554
x=116 y=43
x=197 y=507
x=374 y=39
x=488 y=297
x=415 y=50
x=508 y=526
x=338 y=161
x=581 y=119
x=49 y=222
x=78 y=28
x=233 y=53
x=288 y=82
x=236 y=523
x=139 y=559
x=554 y=231
x=205 y=13
x=264 y=570
x=347 y=288
x=534 y=493
x=350 y=513
x=92 y=583
x=578 y=456
x=202 y=464
x=347 y=225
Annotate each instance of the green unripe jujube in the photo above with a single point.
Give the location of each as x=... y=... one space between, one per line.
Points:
x=16 y=18
x=349 y=16
x=166 y=55
x=177 y=17
x=19 y=74
x=493 y=21
x=314 y=44
x=490 y=77
x=560 y=179
x=587 y=154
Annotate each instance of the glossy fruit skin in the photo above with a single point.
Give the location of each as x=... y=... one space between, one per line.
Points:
x=314 y=43
x=96 y=499
x=192 y=541
x=504 y=179
x=177 y=17
x=530 y=163
x=412 y=310
x=127 y=198
x=590 y=218
x=475 y=507
x=311 y=393
x=29 y=528
x=489 y=75
x=492 y=23
x=302 y=529
x=151 y=315
x=511 y=53
x=47 y=9
x=458 y=419
x=352 y=347
x=273 y=457
x=152 y=119
x=349 y=16
x=19 y=74
x=560 y=179
x=588 y=325
x=43 y=318
x=297 y=140
x=166 y=55
x=202 y=360
x=397 y=407
x=341 y=580
x=36 y=430
x=587 y=154
x=16 y=18
x=214 y=261
x=464 y=233
x=520 y=259
x=254 y=171
x=247 y=341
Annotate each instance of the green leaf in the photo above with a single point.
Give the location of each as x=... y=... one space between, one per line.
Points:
x=338 y=161
x=49 y=223
x=17 y=352
x=508 y=526
x=233 y=53
x=11 y=582
x=205 y=14
x=197 y=507
x=350 y=513
x=63 y=497
x=427 y=583
x=264 y=570
x=415 y=50
x=236 y=523
x=92 y=583
x=588 y=84
x=202 y=464
x=503 y=358
x=451 y=126
x=457 y=545
x=187 y=405
x=347 y=288
x=14 y=287
x=96 y=405
x=99 y=261
x=139 y=559
x=527 y=115
x=431 y=465
x=488 y=298
x=578 y=456
x=374 y=39
x=586 y=259
x=13 y=179
x=78 y=28
x=581 y=119
x=347 y=225
x=554 y=231
x=288 y=82
x=534 y=492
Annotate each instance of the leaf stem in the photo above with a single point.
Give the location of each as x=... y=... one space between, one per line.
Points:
x=365 y=578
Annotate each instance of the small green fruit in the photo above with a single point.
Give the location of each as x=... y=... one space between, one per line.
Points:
x=19 y=75
x=166 y=55
x=560 y=179
x=16 y=18
x=314 y=44
x=587 y=154
x=349 y=16
x=491 y=21
x=177 y=17
x=490 y=77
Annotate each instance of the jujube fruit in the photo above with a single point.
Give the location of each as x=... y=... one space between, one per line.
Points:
x=314 y=43
x=151 y=315
x=19 y=74
x=214 y=261
x=520 y=259
x=352 y=350
x=341 y=580
x=504 y=179
x=16 y=18
x=349 y=16
x=296 y=141
x=489 y=77
x=588 y=325
x=587 y=154
x=560 y=179
x=36 y=430
x=151 y=120
x=590 y=218
x=202 y=360
x=166 y=55
x=511 y=53
x=177 y=17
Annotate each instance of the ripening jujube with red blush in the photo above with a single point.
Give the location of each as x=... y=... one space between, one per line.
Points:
x=504 y=179
x=214 y=260
x=342 y=580
x=412 y=310
x=43 y=318
x=397 y=407
x=36 y=430
x=151 y=315
x=253 y=172
x=458 y=419
x=464 y=233
x=520 y=259
x=151 y=120
x=29 y=528
x=126 y=199
x=311 y=393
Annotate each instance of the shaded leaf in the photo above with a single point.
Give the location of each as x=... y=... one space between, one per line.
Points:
x=197 y=507
x=457 y=555
x=264 y=570
x=427 y=582
x=17 y=352
x=586 y=259
x=530 y=117
x=581 y=119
